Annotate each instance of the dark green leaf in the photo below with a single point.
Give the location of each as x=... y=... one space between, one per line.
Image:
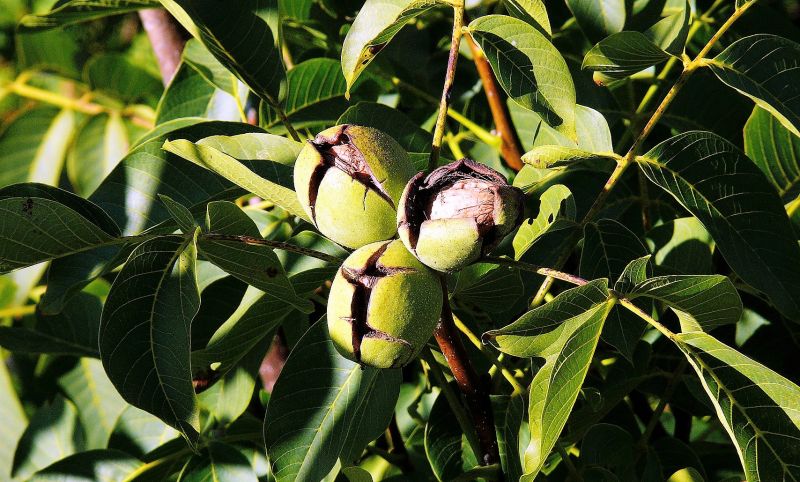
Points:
x=229 y=397
x=765 y=68
x=489 y=286
x=623 y=54
x=14 y=422
x=137 y=432
x=68 y=12
x=448 y=453
x=144 y=332
x=758 y=407
x=599 y=18
x=240 y=39
x=256 y=265
x=718 y=184
x=219 y=462
x=670 y=33
x=529 y=68
x=91 y=466
x=376 y=24
x=180 y=214
x=682 y=246
x=509 y=415
x=406 y=132
x=323 y=407
x=775 y=150
x=119 y=77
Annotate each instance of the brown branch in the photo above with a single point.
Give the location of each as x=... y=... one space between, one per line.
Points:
x=511 y=147
x=472 y=386
x=166 y=39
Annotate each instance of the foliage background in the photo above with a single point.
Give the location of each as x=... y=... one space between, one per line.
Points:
x=78 y=109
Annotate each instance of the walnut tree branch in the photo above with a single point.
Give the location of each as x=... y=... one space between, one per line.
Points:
x=166 y=39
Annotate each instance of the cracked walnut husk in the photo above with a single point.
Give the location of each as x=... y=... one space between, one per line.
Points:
x=349 y=180
x=457 y=213
x=383 y=306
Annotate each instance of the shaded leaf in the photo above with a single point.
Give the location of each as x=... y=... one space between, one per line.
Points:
x=682 y=246
x=529 y=68
x=758 y=407
x=219 y=462
x=98 y=403
x=180 y=213
x=509 y=414
x=765 y=68
x=775 y=150
x=324 y=406
x=377 y=22
x=531 y=11
x=598 y=18
x=118 y=76
x=144 y=332
x=623 y=54
x=241 y=40
x=670 y=33
x=137 y=432
x=14 y=422
x=406 y=132
x=719 y=185
x=102 y=141
x=448 y=453
x=69 y=12
x=229 y=397
x=52 y=434
x=91 y=466
x=489 y=286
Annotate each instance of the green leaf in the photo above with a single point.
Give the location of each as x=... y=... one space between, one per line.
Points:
x=509 y=413
x=775 y=150
x=199 y=58
x=324 y=406
x=565 y=333
x=719 y=185
x=120 y=77
x=702 y=303
x=405 y=131
x=53 y=433
x=765 y=68
x=376 y=24
x=69 y=12
x=758 y=407
x=256 y=318
x=598 y=18
x=256 y=265
x=43 y=222
x=623 y=54
x=489 y=286
x=682 y=246
x=533 y=12
x=71 y=332
x=34 y=146
x=529 y=68
x=240 y=39
x=636 y=272
x=554 y=204
x=670 y=33
x=144 y=332
x=608 y=247
x=689 y=474
x=552 y=156
x=447 y=450
x=91 y=466
x=98 y=403
x=315 y=96
x=233 y=170
x=230 y=396
x=137 y=432
x=219 y=462
x=102 y=141
x=180 y=213
x=14 y=422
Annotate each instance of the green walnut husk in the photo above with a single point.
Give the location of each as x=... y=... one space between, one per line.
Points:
x=457 y=213
x=383 y=306
x=349 y=180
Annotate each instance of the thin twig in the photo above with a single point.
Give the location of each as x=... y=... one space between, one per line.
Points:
x=511 y=147
x=250 y=240
x=452 y=61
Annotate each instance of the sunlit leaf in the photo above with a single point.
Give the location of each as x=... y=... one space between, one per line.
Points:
x=531 y=11
x=50 y=436
x=623 y=54
x=599 y=18
x=776 y=151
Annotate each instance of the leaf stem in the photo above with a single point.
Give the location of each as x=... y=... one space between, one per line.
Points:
x=452 y=61
x=472 y=386
x=253 y=241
